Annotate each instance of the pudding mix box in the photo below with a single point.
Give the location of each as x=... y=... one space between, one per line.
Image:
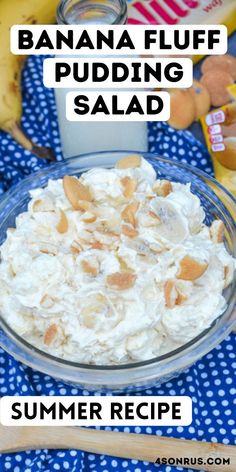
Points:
x=188 y=12
x=174 y=12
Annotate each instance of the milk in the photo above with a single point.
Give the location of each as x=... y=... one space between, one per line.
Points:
x=82 y=137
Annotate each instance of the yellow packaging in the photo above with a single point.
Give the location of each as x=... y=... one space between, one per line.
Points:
x=219 y=128
x=232 y=91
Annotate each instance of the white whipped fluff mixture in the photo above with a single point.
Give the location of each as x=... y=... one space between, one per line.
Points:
x=130 y=274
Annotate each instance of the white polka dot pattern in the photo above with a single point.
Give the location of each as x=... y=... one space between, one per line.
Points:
x=210 y=382
x=213 y=411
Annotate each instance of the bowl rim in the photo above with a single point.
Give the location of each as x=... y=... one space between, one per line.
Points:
x=52 y=166
x=170 y=357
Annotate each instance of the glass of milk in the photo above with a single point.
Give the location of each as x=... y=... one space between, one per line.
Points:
x=82 y=137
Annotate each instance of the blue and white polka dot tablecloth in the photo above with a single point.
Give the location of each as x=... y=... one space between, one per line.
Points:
x=210 y=382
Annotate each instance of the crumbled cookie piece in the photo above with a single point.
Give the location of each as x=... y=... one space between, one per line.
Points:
x=162 y=188
x=84 y=205
x=124 y=267
x=75 y=191
x=129 y=231
x=51 y=251
x=154 y=215
x=170 y=293
x=121 y=280
x=129 y=212
x=107 y=231
x=217 y=231
x=97 y=245
x=88 y=319
x=191 y=269
x=75 y=247
x=129 y=185
x=226 y=272
x=227 y=276
x=129 y=162
x=43 y=205
x=37 y=205
x=62 y=225
x=89 y=218
x=181 y=298
x=89 y=268
x=50 y=334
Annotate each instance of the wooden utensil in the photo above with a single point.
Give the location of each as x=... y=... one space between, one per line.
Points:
x=127 y=445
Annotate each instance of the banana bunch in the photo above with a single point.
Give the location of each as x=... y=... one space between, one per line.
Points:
x=19 y=12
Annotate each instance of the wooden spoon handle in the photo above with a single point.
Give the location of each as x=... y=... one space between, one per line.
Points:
x=127 y=445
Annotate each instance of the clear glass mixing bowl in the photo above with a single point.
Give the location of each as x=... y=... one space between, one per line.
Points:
x=217 y=203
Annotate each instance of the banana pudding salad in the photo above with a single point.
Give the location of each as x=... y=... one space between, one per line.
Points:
x=114 y=267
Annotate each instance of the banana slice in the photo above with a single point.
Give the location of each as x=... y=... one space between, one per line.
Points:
x=172 y=225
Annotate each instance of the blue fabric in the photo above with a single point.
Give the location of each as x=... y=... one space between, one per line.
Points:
x=210 y=382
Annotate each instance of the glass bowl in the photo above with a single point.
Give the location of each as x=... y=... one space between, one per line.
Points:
x=217 y=203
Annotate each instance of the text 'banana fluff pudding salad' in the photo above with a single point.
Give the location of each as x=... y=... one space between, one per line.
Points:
x=113 y=267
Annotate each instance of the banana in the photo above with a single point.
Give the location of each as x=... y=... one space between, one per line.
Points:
x=19 y=12
x=173 y=225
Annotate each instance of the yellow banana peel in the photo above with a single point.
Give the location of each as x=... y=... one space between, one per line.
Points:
x=19 y=12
